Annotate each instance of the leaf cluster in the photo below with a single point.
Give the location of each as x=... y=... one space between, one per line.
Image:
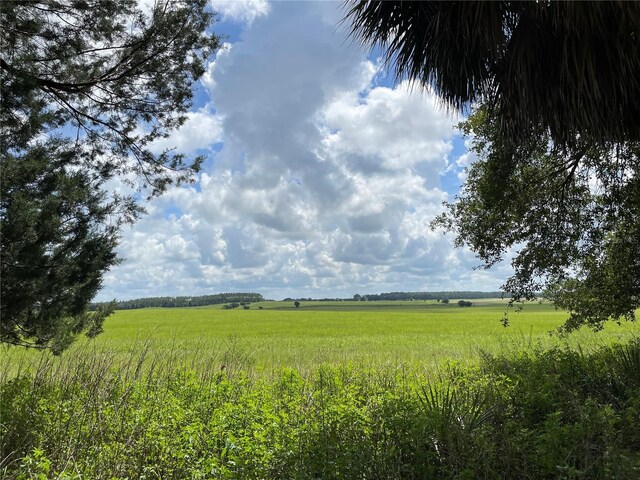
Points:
x=111 y=77
x=571 y=216
x=58 y=237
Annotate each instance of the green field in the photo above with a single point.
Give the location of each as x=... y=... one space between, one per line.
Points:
x=336 y=390
x=416 y=333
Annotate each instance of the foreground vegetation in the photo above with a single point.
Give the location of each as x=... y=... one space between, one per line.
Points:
x=542 y=413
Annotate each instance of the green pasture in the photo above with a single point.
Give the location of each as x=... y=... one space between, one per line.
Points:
x=333 y=390
x=418 y=334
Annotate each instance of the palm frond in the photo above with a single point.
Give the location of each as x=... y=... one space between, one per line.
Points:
x=571 y=67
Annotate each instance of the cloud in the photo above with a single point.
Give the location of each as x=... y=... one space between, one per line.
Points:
x=201 y=131
x=241 y=10
x=399 y=127
x=464 y=161
x=324 y=186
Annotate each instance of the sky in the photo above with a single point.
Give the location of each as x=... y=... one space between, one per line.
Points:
x=321 y=177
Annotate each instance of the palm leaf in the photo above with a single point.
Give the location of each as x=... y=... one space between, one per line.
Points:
x=570 y=67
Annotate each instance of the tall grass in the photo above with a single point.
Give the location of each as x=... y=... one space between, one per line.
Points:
x=542 y=412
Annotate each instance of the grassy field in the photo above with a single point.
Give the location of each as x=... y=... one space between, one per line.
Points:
x=416 y=333
x=329 y=390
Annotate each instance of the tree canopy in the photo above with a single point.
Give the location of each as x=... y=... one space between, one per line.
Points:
x=87 y=87
x=572 y=219
x=571 y=68
x=111 y=77
x=554 y=91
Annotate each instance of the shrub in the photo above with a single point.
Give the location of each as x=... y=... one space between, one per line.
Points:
x=543 y=414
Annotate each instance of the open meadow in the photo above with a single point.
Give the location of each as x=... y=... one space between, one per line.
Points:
x=273 y=335
x=330 y=390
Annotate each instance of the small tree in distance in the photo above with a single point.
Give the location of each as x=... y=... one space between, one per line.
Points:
x=297 y=304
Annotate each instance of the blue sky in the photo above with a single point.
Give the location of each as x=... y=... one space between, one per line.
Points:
x=321 y=178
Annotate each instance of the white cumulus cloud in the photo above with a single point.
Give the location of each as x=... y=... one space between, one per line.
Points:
x=241 y=10
x=201 y=130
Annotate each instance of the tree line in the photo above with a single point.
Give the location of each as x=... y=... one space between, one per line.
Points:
x=170 y=302
x=427 y=295
x=405 y=296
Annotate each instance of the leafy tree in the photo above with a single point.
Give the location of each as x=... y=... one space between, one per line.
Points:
x=56 y=241
x=87 y=87
x=574 y=217
x=569 y=68
x=297 y=304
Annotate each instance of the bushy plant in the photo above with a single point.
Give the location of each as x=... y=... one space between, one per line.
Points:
x=535 y=414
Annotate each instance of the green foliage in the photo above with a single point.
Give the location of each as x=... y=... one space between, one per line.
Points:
x=556 y=135
x=86 y=88
x=193 y=301
x=573 y=215
x=57 y=240
x=231 y=306
x=533 y=414
x=103 y=70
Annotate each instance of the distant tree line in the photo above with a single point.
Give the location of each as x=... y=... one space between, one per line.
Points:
x=440 y=296
x=309 y=299
x=426 y=295
x=229 y=298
